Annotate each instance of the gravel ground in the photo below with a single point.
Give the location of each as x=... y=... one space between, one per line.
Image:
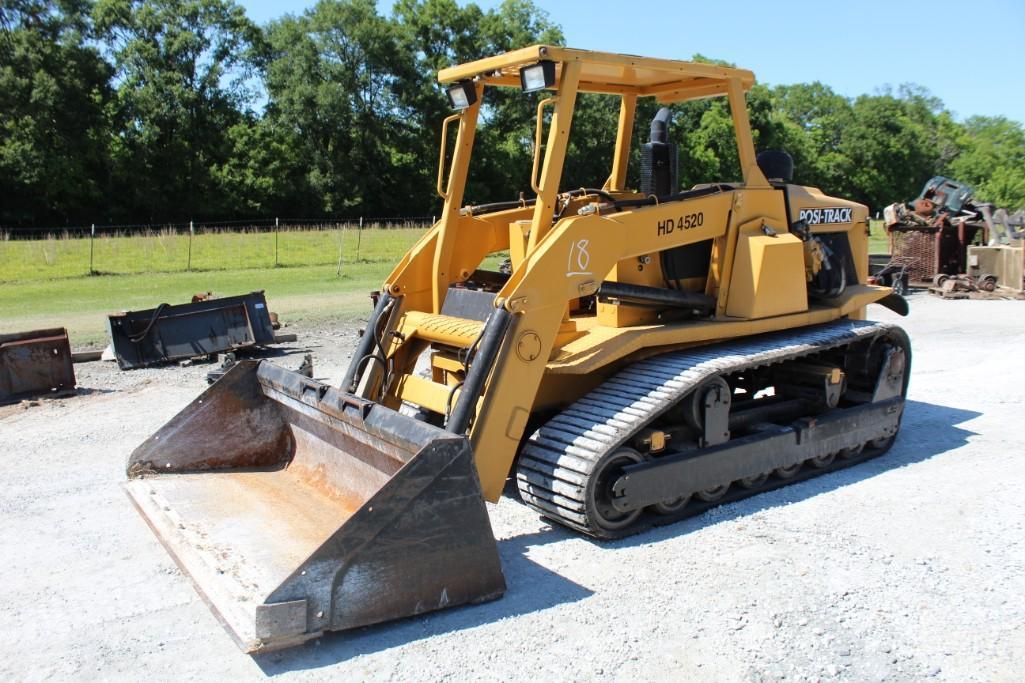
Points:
x=904 y=568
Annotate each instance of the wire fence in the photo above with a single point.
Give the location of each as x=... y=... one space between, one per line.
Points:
x=14 y=232
x=38 y=253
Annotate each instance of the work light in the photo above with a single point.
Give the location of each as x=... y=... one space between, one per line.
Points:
x=537 y=77
x=462 y=94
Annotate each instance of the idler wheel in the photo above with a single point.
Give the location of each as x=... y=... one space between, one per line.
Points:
x=600 y=499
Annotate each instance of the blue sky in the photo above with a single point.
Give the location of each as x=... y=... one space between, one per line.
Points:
x=969 y=54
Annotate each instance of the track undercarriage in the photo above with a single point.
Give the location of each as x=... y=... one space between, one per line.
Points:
x=670 y=436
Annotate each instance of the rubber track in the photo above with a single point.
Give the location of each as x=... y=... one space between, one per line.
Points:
x=557 y=460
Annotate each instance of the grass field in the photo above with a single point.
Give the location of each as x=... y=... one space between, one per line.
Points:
x=62 y=256
x=877 y=240
x=44 y=283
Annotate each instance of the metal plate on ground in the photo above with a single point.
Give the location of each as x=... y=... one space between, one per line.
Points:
x=168 y=333
x=34 y=363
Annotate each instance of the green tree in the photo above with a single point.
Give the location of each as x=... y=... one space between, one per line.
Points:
x=333 y=87
x=991 y=158
x=352 y=112
x=183 y=68
x=890 y=150
x=703 y=130
x=441 y=34
x=265 y=173
x=436 y=34
x=814 y=117
x=506 y=137
x=356 y=96
x=53 y=129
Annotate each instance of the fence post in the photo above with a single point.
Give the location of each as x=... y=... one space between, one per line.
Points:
x=341 y=237
x=275 y=242
x=92 y=238
x=359 y=237
x=192 y=232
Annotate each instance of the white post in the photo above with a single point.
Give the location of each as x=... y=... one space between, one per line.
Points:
x=341 y=239
x=359 y=237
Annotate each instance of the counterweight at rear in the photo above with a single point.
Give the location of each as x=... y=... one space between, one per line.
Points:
x=638 y=357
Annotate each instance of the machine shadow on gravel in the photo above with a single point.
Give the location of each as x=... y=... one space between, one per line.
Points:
x=531 y=588
x=929 y=430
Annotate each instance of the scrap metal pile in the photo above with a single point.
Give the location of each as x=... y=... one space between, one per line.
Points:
x=954 y=243
x=34 y=363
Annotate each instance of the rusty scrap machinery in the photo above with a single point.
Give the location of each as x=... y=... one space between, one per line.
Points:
x=946 y=233
x=647 y=355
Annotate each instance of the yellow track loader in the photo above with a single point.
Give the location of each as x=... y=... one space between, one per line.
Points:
x=644 y=354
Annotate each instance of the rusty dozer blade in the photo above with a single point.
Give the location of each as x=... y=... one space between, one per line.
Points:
x=297 y=508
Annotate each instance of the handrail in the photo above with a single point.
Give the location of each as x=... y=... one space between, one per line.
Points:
x=537 y=141
x=441 y=154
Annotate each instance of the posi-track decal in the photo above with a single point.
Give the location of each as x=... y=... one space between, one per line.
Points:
x=834 y=214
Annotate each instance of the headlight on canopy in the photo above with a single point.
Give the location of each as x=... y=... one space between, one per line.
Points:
x=462 y=94
x=538 y=76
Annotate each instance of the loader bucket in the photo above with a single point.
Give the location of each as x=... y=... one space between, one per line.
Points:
x=297 y=508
